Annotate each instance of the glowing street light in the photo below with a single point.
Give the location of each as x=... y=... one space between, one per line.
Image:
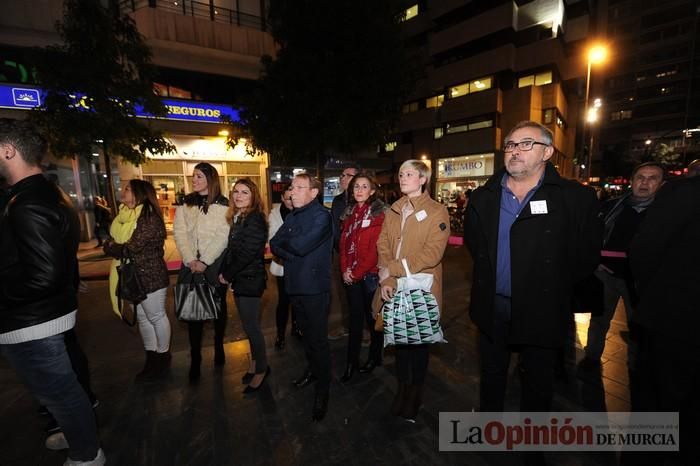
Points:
x=596 y=54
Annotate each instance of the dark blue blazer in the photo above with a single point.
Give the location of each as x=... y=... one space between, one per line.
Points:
x=304 y=242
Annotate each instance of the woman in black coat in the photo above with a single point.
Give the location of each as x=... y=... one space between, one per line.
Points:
x=244 y=271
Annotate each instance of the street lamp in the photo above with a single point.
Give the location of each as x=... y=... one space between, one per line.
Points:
x=596 y=55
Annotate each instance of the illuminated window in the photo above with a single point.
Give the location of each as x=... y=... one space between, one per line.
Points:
x=410 y=12
x=435 y=101
x=480 y=124
x=621 y=115
x=438 y=133
x=452 y=129
x=389 y=146
x=526 y=81
x=539 y=79
x=548 y=116
x=460 y=90
x=479 y=85
x=543 y=78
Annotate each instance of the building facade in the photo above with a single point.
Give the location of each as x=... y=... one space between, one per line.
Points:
x=207 y=54
x=488 y=65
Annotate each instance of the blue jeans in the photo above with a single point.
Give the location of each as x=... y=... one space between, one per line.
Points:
x=43 y=365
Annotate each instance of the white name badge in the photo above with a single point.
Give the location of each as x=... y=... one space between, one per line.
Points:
x=366 y=223
x=538 y=207
x=420 y=216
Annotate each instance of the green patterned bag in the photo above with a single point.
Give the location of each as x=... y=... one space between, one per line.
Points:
x=412 y=317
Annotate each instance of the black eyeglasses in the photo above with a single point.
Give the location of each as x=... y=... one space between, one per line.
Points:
x=522 y=145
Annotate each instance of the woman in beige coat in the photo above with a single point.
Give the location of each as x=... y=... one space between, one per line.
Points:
x=415 y=229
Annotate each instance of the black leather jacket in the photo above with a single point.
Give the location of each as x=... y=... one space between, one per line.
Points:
x=39 y=235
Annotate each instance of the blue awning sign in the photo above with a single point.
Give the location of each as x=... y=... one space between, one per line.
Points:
x=27 y=98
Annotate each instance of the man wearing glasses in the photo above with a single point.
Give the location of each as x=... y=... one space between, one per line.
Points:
x=532 y=235
x=304 y=242
x=338 y=298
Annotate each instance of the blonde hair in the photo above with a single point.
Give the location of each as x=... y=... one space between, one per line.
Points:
x=421 y=167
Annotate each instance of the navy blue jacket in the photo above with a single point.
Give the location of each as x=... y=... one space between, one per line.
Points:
x=304 y=242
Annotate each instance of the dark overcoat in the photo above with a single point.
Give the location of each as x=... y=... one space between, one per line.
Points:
x=665 y=261
x=549 y=253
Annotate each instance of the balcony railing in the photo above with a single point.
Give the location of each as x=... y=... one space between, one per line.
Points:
x=195 y=9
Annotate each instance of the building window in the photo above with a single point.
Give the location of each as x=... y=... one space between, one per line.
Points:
x=452 y=129
x=621 y=115
x=471 y=87
x=460 y=90
x=435 y=101
x=543 y=78
x=438 y=133
x=410 y=12
x=480 y=124
x=410 y=107
x=539 y=79
x=548 y=116
x=390 y=146
x=480 y=85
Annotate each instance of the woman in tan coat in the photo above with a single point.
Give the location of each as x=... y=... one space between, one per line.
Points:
x=415 y=229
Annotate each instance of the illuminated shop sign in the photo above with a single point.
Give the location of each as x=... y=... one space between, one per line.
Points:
x=466 y=166
x=24 y=98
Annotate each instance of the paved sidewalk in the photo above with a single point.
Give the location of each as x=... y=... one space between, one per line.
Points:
x=174 y=423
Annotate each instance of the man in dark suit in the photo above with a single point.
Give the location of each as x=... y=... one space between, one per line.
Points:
x=665 y=261
x=532 y=235
x=304 y=242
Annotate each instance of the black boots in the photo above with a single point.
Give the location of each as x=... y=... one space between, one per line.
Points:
x=195 y=363
x=369 y=367
x=306 y=379
x=349 y=371
x=320 y=405
x=156 y=365
x=407 y=401
x=147 y=367
x=413 y=396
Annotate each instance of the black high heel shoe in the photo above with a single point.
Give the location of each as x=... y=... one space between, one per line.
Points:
x=251 y=389
x=369 y=367
x=349 y=371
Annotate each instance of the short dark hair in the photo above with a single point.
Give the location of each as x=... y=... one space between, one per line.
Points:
x=314 y=183
x=25 y=138
x=648 y=164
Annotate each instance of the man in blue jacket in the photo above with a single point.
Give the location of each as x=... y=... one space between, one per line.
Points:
x=304 y=242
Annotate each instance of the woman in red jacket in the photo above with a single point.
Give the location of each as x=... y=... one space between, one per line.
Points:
x=362 y=223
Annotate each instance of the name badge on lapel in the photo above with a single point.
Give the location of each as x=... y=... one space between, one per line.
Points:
x=538 y=207
x=366 y=223
x=422 y=215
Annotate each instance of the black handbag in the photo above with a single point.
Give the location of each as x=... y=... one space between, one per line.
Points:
x=196 y=299
x=129 y=286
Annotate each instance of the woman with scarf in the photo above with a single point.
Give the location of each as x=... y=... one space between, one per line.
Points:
x=138 y=232
x=201 y=233
x=362 y=223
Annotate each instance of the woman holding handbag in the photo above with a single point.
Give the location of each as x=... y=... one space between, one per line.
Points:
x=201 y=233
x=244 y=270
x=138 y=233
x=362 y=224
x=276 y=219
x=414 y=236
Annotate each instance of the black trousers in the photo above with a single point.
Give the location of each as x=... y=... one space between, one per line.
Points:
x=195 y=329
x=360 y=296
x=536 y=366
x=412 y=363
x=312 y=319
x=283 y=309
